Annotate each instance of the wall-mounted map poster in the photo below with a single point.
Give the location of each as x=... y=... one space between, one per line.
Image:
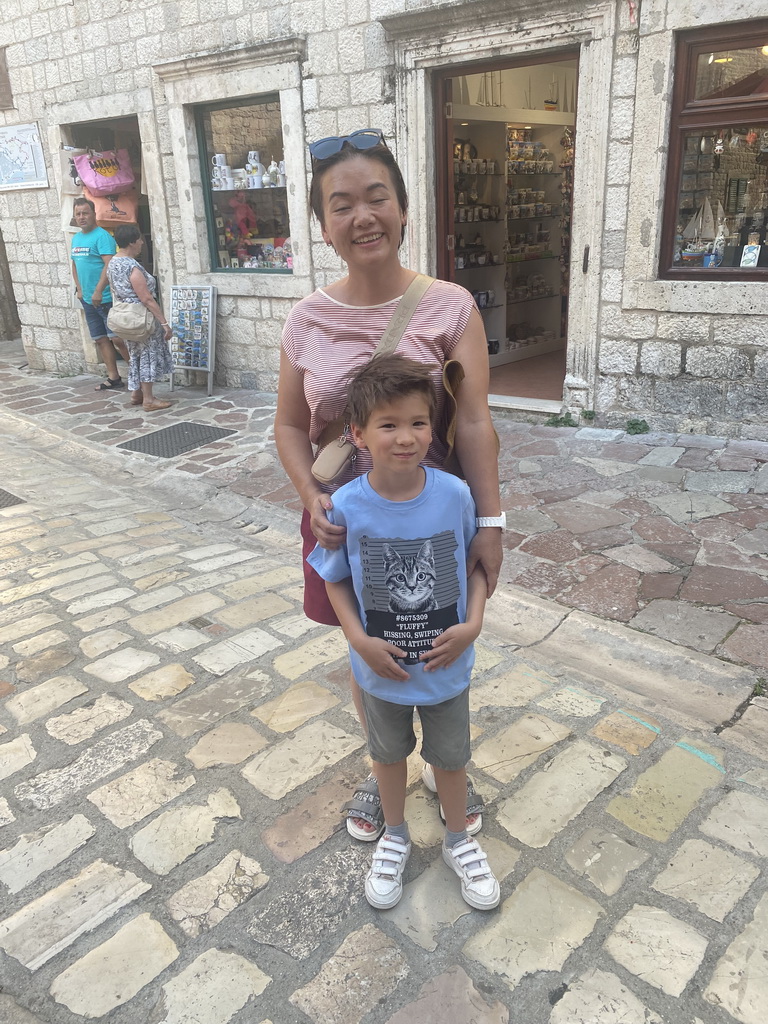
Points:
x=22 y=162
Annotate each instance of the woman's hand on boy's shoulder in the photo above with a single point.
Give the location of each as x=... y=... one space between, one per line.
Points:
x=380 y=656
x=328 y=534
x=447 y=647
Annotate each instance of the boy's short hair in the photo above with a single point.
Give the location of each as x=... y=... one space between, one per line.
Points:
x=385 y=379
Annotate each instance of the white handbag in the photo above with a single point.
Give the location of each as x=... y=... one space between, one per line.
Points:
x=130 y=321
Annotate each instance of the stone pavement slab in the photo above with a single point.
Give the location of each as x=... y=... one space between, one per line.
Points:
x=114 y=972
x=52 y=922
x=538 y=927
x=657 y=947
x=598 y=997
x=212 y=989
x=366 y=968
x=741 y=992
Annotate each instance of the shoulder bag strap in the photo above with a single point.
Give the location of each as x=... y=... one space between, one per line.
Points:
x=388 y=342
x=405 y=309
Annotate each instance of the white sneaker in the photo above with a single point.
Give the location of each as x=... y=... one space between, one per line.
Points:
x=479 y=887
x=384 y=881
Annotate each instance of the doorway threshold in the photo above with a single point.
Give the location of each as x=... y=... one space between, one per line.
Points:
x=509 y=402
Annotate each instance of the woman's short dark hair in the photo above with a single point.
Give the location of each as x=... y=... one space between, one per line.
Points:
x=380 y=153
x=125 y=234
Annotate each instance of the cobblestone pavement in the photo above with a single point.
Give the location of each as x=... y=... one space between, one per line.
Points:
x=177 y=740
x=665 y=532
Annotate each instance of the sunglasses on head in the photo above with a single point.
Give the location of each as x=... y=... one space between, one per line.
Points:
x=364 y=139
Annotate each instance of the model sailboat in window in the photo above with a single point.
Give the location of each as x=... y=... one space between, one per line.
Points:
x=698 y=236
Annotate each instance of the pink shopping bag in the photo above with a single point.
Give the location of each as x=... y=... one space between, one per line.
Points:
x=105 y=174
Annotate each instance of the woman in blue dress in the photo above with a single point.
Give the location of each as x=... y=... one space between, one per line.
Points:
x=150 y=360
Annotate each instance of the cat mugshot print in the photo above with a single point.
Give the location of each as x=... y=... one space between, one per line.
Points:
x=410 y=589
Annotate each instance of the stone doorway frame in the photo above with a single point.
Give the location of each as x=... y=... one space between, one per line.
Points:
x=439 y=38
x=110 y=107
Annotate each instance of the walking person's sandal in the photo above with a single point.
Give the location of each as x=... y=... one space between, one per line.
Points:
x=475 y=802
x=111 y=385
x=365 y=805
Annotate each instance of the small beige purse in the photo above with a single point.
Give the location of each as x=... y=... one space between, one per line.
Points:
x=336 y=451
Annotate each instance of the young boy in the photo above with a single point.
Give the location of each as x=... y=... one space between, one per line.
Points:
x=400 y=591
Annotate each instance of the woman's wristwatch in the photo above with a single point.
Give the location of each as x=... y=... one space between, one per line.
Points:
x=500 y=520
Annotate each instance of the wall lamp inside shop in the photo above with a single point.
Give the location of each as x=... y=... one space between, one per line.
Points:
x=721 y=58
x=764 y=51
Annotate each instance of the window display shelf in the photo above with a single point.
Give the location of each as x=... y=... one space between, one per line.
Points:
x=543 y=216
x=526 y=259
x=522 y=350
x=482 y=266
x=244 y=188
x=478 y=220
x=531 y=298
x=534 y=174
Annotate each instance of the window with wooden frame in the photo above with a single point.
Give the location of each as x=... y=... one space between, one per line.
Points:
x=716 y=202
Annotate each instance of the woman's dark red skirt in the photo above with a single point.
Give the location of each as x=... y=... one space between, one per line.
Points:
x=316 y=604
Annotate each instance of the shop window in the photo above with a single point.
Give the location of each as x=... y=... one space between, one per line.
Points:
x=716 y=207
x=244 y=183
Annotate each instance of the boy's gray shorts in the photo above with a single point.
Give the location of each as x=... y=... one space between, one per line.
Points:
x=445 y=727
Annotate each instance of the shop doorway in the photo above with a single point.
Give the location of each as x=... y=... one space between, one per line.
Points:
x=10 y=327
x=100 y=136
x=505 y=141
x=110 y=134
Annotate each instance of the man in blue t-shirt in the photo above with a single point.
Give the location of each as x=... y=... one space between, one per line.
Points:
x=92 y=249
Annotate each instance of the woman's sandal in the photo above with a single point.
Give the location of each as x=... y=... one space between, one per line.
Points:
x=111 y=385
x=365 y=806
x=475 y=802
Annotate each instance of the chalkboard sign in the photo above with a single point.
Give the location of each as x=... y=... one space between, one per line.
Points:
x=193 y=321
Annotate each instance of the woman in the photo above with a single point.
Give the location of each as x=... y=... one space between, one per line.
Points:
x=358 y=195
x=130 y=282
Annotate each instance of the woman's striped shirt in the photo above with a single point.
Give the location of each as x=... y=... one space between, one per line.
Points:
x=326 y=340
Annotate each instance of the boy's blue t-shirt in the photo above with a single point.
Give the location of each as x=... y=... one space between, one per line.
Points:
x=407 y=560
x=87 y=251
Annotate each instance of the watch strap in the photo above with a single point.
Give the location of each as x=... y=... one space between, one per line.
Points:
x=500 y=520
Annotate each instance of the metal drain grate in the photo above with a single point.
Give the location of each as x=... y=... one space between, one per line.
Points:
x=175 y=440
x=7 y=499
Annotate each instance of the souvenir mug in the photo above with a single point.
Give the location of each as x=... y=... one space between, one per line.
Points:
x=253 y=156
x=255 y=181
x=219 y=159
